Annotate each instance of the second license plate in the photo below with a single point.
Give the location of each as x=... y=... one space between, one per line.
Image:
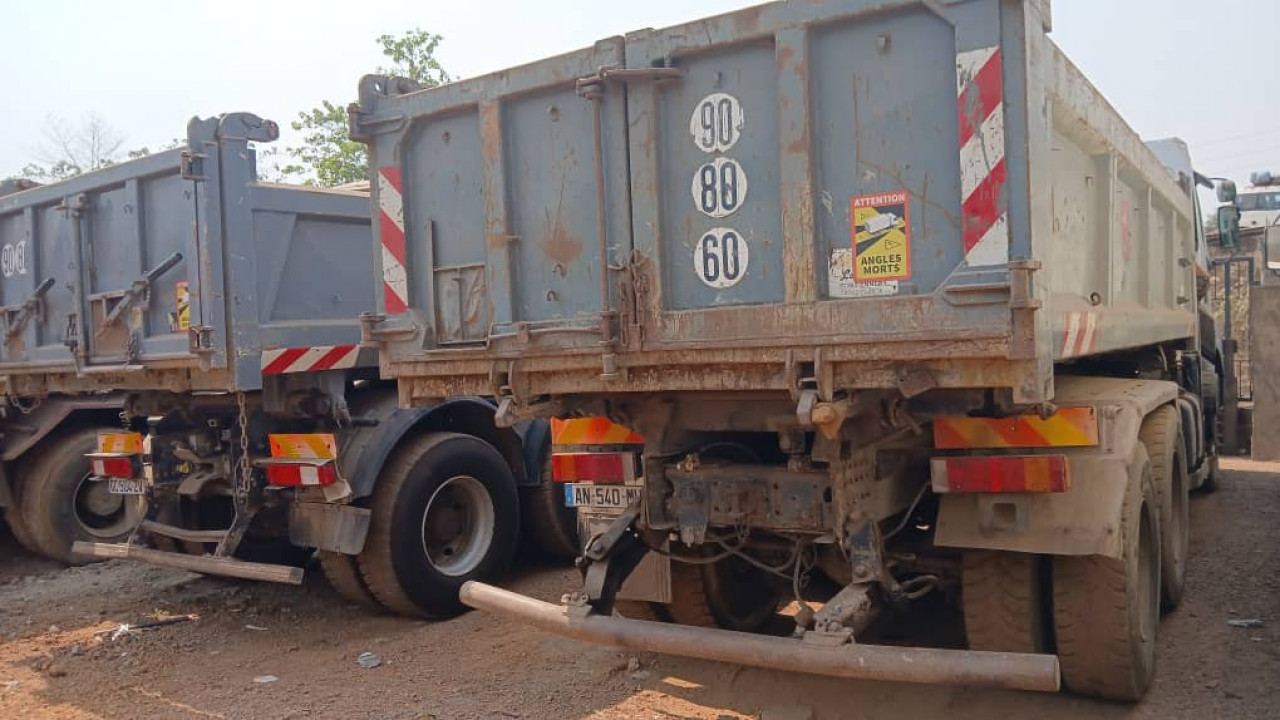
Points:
x=122 y=486
x=586 y=495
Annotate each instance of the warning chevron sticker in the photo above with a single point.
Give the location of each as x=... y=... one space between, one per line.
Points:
x=881 y=236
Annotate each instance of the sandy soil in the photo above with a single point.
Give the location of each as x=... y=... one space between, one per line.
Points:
x=55 y=664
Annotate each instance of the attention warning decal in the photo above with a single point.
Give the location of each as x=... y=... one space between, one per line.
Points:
x=183 y=290
x=881 y=236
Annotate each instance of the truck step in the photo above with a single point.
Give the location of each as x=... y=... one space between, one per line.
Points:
x=182 y=533
x=227 y=567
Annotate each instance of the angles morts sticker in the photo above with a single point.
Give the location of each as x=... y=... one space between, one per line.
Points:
x=881 y=236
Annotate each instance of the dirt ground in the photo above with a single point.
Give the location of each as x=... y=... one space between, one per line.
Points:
x=55 y=662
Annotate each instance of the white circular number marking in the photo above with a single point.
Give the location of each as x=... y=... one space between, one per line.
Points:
x=716 y=122
x=719 y=187
x=720 y=257
x=13 y=259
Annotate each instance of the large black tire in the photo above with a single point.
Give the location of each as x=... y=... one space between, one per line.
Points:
x=730 y=594
x=343 y=574
x=1002 y=594
x=1106 y=611
x=60 y=505
x=14 y=519
x=445 y=494
x=551 y=524
x=1161 y=434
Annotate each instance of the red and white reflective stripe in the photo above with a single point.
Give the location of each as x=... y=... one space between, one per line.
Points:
x=980 y=88
x=1080 y=336
x=395 y=279
x=309 y=359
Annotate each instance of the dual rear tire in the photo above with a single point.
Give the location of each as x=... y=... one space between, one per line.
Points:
x=56 y=502
x=730 y=594
x=445 y=511
x=1102 y=613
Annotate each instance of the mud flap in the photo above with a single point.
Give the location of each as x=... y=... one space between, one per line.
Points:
x=651 y=578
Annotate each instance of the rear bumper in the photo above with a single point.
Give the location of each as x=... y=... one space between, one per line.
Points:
x=1014 y=671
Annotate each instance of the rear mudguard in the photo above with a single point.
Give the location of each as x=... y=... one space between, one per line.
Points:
x=365 y=449
x=1084 y=520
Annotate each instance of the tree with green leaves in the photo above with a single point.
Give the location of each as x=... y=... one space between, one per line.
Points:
x=327 y=155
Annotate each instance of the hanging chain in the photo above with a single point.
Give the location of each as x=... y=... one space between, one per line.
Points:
x=244 y=481
x=26 y=407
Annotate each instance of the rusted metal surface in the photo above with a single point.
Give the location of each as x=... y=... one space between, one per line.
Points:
x=752 y=495
x=1013 y=671
x=742 y=148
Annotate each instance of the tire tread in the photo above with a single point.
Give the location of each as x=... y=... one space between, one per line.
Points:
x=1003 y=602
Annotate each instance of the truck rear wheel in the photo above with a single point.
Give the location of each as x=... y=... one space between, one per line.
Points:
x=551 y=524
x=1161 y=434
x=343 y=575
x=1106 y=611
x=1002 y=595
x=60 y=504
x=13 y=517
x=445 y=511
x=730 y=594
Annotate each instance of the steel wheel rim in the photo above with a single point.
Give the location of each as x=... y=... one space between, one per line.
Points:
x=100 y=513
x=458 y=526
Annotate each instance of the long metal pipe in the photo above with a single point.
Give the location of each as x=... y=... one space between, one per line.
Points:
x=1014 y=671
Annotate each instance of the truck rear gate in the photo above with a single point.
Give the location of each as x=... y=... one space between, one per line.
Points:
x=181 y=272
x=860 y=185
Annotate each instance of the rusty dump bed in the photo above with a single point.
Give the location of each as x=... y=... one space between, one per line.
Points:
x=861 y=188
x=179 y=271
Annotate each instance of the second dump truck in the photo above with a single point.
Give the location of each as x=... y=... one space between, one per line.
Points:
x=182 y=356
x=884 y=293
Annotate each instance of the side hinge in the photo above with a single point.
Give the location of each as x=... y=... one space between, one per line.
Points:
x=1022 y=306
x=192 y=166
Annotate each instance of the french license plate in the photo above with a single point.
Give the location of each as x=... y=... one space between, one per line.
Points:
x=122 y=486
x=586 y=495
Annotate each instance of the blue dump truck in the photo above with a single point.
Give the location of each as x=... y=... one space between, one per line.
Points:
x=186 y=386
x=896 y=303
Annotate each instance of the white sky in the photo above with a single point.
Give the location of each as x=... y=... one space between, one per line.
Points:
x=1192 y=68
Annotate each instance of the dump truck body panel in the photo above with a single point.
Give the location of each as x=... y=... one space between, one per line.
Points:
x=178 y=271
x=867 y=182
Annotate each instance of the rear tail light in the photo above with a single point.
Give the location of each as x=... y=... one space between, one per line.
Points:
x=121 y=443
x=300 y=473
x=1001 y=474
x=105 y=465
x=301 y=460
x=593 y=467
